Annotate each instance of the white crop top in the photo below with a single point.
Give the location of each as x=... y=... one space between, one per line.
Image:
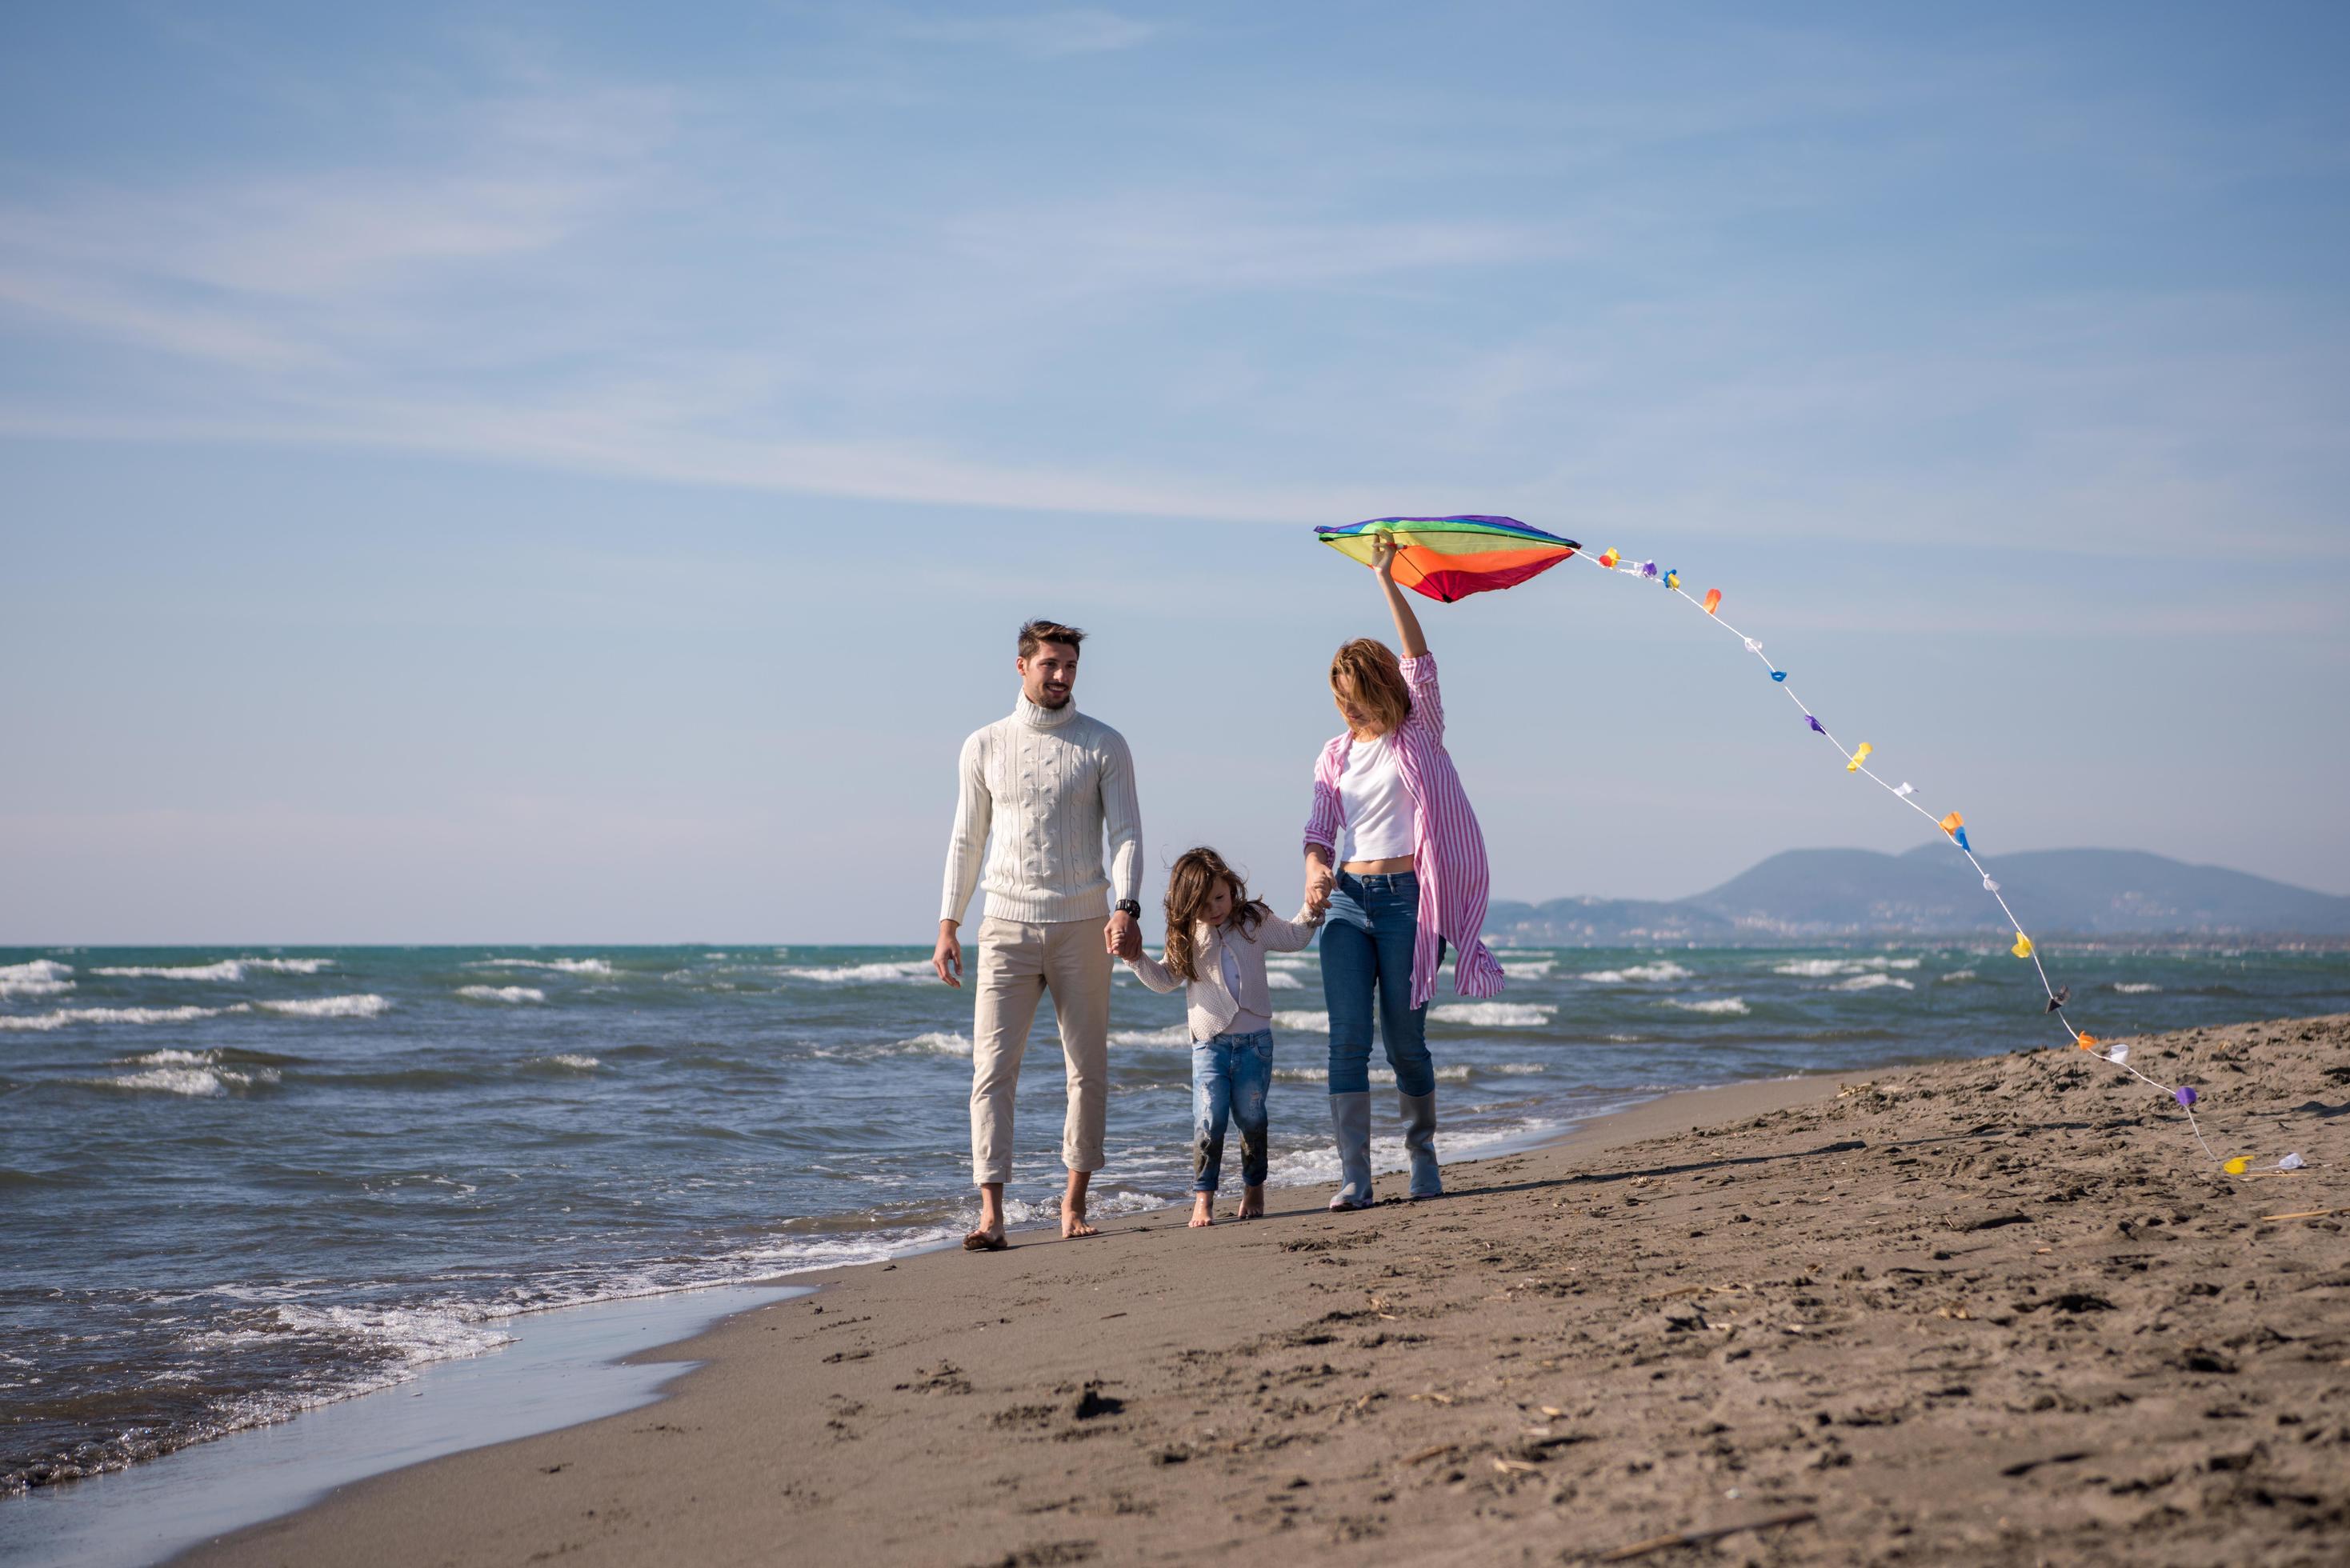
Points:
x=1382 y=823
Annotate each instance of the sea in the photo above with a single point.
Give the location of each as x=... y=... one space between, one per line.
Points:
x=237 y=1183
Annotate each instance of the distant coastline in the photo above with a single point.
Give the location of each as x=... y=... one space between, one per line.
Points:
x=2096 y=897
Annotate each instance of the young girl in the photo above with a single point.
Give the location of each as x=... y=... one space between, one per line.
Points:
x=1217 y=937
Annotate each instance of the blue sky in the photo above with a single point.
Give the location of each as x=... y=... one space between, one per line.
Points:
x=569 y=474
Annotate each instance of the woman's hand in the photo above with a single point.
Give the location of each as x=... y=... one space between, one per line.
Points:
x=1319 y=879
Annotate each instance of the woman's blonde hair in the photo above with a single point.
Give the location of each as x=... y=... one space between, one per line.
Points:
x=1365 y=671
x=1191 y=884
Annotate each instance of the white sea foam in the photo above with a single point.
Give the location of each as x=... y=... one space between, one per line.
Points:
x=1176 y=1035
x=1728 y=1006
x=559 y=966
x=866 y=974
x=572 y=1060
x=2135 y=988
x=200 y=1083
x=1872 y=983
x=1517 y=1069
x=943 y=1043
x=1957 y=975
x=1494 y=1014
x=41 y=977
x=502 y=993
x=1311 y=1023
x=1529 y=968
x=233 y=969
x=366 y=1005
x=1282 y=980
x=1645 y=973
x=1453 y=1074
x=1823 y=969
x=65 y=1016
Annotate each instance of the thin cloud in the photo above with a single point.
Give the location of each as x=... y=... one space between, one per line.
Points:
x=1046 y=34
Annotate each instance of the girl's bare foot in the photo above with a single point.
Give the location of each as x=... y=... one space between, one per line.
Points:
x=1073 y=1218
x=1251 y=1203
x=1203 y=1209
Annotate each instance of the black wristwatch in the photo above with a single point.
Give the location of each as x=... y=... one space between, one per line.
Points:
x=1128 y=907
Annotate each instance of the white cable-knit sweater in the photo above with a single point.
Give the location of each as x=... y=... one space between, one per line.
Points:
x=1037 y=790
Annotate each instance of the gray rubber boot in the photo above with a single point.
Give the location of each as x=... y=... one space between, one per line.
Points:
x=1420 y=1141
x=1350 y=1114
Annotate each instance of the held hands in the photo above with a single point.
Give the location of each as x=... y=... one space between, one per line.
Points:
x=1319 y=879
x=946 y=958
x=1123 y=936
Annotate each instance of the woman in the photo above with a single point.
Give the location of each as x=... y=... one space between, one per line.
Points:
x=1410 y=877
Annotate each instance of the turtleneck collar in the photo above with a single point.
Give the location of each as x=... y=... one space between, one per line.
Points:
x=1037 y=718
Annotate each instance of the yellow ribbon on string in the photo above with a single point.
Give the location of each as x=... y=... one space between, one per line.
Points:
x=1858 y=757
x=2023 y=945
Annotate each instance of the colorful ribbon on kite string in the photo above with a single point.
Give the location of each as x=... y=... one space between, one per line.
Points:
x=1954 y=827
x=1449 y=558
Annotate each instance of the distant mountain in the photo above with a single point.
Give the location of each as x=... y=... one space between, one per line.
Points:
x=1834 y=893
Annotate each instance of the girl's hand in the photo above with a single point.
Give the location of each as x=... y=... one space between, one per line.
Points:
x=1383 y=558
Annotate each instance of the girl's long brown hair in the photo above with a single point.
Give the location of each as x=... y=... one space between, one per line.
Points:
x=1191 y=884
x=1365 y=672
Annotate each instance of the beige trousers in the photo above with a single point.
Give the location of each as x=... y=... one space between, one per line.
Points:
x=1019 y=961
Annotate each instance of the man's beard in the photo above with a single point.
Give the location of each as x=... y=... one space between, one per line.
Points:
x=1050 y=699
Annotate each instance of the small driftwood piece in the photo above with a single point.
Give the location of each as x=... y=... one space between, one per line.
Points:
x=1706 y=1537
x=2308 y=1214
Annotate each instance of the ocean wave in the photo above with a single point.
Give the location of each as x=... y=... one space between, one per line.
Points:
x=560 y=966
x=1645 y=973
x=1516 y=1069
x=1529 y=968
x=1957 y=975
x=1282 y=980
x=570 y=1060
x=1309 y=1022
x=866 y=973
x=1823 y=969
x=1728 y=1006
x=1494 y=1014
x=940 y=1041
x=1872 y=983
x=197 y=1083
x=366 y=1005
x=502 y=993
x=1454 y=1073
x=41 y=977
x=1177 y=1034
x=2135 y=988
x=64 y=1017
x=233 y=969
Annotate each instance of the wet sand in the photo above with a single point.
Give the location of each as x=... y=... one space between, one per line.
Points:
x=1991 y=1311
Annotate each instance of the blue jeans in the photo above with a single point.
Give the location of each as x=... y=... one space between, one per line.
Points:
x=1367 y=948
x=1229 y=1076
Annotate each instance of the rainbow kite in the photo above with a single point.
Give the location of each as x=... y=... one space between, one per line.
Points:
x=1449 y=558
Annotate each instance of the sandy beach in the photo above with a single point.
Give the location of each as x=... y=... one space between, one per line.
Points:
x=1988 y=1311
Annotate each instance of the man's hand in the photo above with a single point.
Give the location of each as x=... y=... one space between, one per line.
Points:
x=1123 y=936
x=946 y=958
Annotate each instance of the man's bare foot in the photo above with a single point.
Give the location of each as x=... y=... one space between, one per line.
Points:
x=1203 y=1209
x=1251 y=1203
x=1072 y=1205
x=986 y=1239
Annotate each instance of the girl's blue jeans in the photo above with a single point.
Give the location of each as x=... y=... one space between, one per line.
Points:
x=1229 y=1076
x=1366 y=947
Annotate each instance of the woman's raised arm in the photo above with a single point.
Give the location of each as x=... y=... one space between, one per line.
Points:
x=1406 y=624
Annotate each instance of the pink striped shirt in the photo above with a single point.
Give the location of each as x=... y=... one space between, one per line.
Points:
x=1447 y=852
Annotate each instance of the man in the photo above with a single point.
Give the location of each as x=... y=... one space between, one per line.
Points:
x=1050 y=782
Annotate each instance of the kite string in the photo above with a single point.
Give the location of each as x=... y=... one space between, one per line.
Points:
x=1906 y=796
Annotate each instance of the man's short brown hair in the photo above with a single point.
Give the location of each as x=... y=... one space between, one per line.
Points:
x=1037 y=633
